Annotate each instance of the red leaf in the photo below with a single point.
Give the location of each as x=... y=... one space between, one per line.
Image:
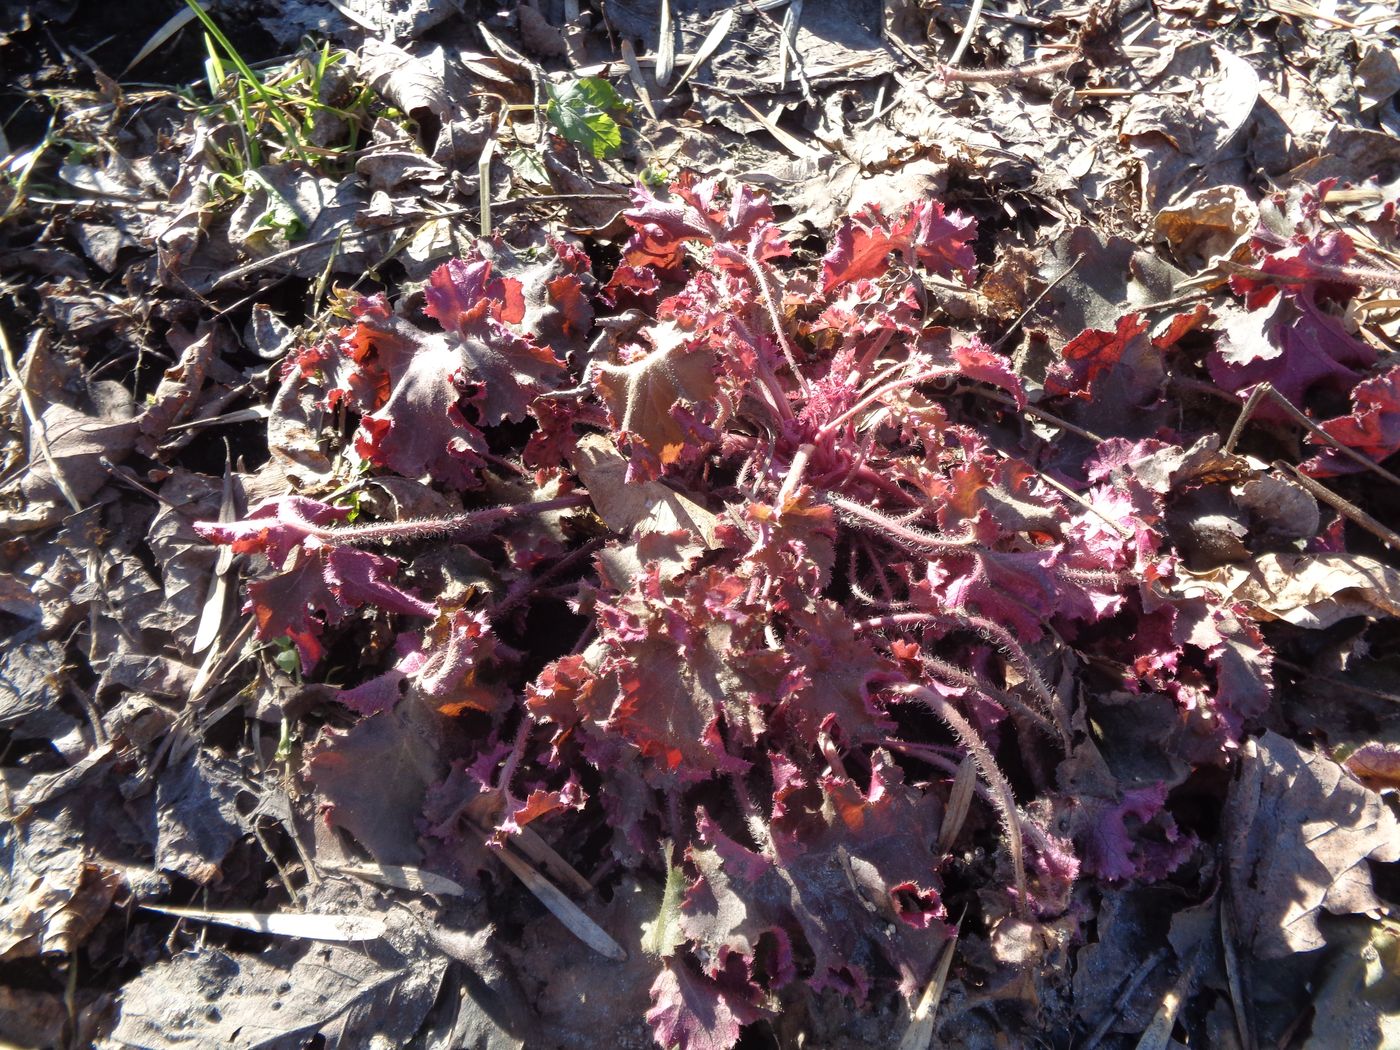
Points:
x=1117 y=371
x=691 y=1012
x=541 y=803
x=833 y=670
x=1373 y=428
x=275 y=528
x=659 y=399
x=982 y=364
x=440 y=665
x=1299 y=270
x=420 y=431
x=507 y=369
x=1292 y=345
x=461 y=292
x=921 y=232
x=315 y=578
x=1132 y=838
x=1017 y=589
x=700 y=213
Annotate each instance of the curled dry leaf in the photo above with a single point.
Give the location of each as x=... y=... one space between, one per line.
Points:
x=1307 y=590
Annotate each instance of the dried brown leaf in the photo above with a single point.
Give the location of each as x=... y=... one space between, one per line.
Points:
x=1299 y=833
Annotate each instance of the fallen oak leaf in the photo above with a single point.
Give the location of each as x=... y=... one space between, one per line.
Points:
x=1307 y=590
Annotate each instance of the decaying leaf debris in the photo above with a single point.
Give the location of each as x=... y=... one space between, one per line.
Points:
x=806 y=524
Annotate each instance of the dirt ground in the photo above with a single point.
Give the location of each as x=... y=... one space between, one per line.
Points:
x=815 y=523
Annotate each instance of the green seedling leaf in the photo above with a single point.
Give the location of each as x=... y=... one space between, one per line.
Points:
x=581 y=113
x=286 y=658
x=280 y=214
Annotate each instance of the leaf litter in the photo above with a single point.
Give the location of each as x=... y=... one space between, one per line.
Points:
x=865 y=522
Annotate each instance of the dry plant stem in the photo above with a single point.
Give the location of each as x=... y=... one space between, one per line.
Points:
x=968 y=30
x=1121 y=1002
x=1393 y=698
x=796 y=469
x=863 y=517
x=1348 y=510
x=1069 y=493
x=36 y=421
x=1036 y=302
x=774 y=389
x=425 y=528
x=1235 y=977
x=533 y=584
x=1032 y=410
x=346 y=231
x=1264 y=390
x=775 y=318
x=866 y=402
x=877 y=345
x=566 y=911
x=1001 y=795
x=1012 y=74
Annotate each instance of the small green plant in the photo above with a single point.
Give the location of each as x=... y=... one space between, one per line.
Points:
x=582 y=111
x=285 y=658
x=275 y=113
x=654 y=175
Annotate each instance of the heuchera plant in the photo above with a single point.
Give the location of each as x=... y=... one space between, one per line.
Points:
x=815 y=585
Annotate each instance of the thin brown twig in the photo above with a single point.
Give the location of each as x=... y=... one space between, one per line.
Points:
x=1031 y=410
x=36 y=420
x=1036 y=301
x=1264 y=390
x=1342 y=506
x=1011 y=74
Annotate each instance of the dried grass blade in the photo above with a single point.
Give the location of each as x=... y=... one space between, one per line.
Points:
x=173 y=25
x=563 y=909
x=309 y=926
x=483 y=174
x=665 y=48
x=211 y=615
x=709 y=46
x=528 y=841
x=790 y=142
x=404 y=878
x=639 y=84
x=959 y=802
x=920 y=1031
